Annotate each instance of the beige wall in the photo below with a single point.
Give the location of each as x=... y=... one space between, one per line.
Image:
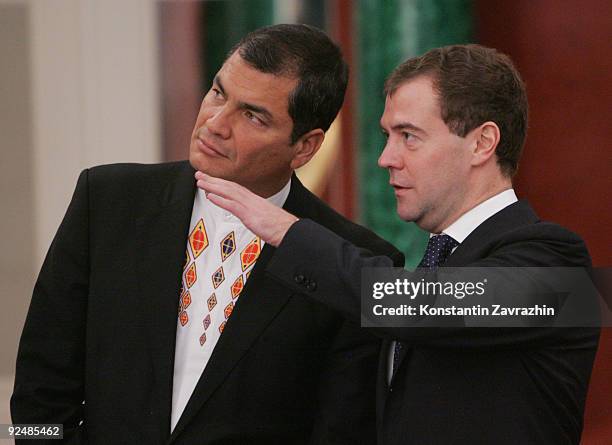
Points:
x=16 y=185
x=78 y=87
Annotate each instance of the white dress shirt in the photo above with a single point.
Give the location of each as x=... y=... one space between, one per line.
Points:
x=204 y=315
x=459 y=231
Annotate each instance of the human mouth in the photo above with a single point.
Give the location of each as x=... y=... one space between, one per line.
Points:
x=399 y=188
x=208 y=148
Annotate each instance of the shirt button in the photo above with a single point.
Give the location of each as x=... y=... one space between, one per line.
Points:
x=311 y=286
x=299 y=279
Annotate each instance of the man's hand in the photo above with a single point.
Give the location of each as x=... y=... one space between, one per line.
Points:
x=264 y=219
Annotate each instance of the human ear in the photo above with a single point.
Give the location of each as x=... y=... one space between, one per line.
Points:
x=306 y=147
x=486 y=138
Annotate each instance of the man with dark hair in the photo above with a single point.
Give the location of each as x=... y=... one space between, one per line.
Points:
x=298 y=52
x=104 y=350
x=455 y=121
x=474 y=84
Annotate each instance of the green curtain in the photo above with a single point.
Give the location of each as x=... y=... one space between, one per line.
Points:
x=225 y=22
x=389 y=32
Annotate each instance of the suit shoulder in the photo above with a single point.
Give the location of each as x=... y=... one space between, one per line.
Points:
x=545 y=244
x=127 y=178
x=352 y=232
x=128 y=172
x=121 y=189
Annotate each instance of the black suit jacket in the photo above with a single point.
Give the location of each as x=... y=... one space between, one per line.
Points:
x=465 y=385
x=98 y=342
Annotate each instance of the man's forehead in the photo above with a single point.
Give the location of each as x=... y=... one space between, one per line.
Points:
x=413 y=100
x=239 y=73
x=391 y=113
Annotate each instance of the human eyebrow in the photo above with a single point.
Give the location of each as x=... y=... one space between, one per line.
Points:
x=245 y=105
x=408 y=126
x=217 y=81
x=256 y=109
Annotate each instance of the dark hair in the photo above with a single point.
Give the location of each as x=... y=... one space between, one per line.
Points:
x=308 y=54
x=475 y=84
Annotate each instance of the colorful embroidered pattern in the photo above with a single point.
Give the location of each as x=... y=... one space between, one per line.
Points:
x=237 y=286
x=183 y=318
x=206 y=322
x=212 y=302
x=202 y=339
x=186 y=300
x=228 y=246
x=228 y=310
x=250 y=253
x=198 y=240
x=218 y=277
x=191 y=275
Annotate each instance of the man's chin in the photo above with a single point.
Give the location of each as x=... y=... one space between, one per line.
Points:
x=199 y=162
x=408 y=215
x=196 y=159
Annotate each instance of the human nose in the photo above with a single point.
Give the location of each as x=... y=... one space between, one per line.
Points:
x=218 y=123
x=389 y=158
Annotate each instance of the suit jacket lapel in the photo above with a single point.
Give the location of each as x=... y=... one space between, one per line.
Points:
x=163 y=236
x=482 y=239
x=259 y=302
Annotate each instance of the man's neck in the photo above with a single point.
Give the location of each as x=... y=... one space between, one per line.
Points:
x=475 y=196
x=470 y=220
x=480 y=196
x=266 y=191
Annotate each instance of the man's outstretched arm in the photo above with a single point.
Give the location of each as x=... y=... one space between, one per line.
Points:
x=335 y=265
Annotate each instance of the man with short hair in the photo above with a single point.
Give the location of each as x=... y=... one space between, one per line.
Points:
x=455 y=121
x=104 y=350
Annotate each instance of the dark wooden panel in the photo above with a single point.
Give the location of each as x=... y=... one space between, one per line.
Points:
x=180 y=74
x=562 y=51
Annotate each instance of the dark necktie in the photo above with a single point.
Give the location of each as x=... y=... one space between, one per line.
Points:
x=438 y=249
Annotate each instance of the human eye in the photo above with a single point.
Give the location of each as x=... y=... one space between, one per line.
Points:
x=214 y=95
x=408 y=137
x=254 y=118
